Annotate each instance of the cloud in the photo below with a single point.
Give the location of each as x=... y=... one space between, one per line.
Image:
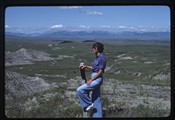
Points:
x=70 y=7
x=105 y=26
x=7 y=26
x=94 y=13
x=84 y=26
x=57 y=26
x=125 y=27
x=122 y=26
x=140 y=28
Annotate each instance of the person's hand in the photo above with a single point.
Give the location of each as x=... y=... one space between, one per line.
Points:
x=88 y=82
x=82 y=67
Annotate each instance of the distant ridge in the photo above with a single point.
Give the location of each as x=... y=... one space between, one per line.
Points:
x=101 y=35
x=68 y=41
x=89 y=41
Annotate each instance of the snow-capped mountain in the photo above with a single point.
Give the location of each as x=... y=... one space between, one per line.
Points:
x=121 y=32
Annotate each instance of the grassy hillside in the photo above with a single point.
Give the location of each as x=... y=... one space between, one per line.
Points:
x=133 y=63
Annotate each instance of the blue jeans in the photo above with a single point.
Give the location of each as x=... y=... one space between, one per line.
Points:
x=85 y=101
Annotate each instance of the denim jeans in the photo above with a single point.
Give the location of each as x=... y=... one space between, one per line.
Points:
x=85 y=101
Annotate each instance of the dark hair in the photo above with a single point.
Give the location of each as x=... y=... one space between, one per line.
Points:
x=99 y=46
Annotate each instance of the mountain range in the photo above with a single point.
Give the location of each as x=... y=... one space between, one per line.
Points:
x=97 y=34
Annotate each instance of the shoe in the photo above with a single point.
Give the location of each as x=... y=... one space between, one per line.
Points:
x=90 y=107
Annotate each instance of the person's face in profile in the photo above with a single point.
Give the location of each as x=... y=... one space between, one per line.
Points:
x=95 y=50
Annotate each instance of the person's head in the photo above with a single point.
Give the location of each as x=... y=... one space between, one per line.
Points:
x=98 y=47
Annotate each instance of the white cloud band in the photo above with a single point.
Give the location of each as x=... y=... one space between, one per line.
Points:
x=57 y=26
x=94 y=13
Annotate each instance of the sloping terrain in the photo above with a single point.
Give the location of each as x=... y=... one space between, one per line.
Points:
x=21 y=85
x=42 y=81
x=134 y=95
x=25 y=56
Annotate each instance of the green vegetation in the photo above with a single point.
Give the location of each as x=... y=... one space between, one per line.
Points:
x=134 y=63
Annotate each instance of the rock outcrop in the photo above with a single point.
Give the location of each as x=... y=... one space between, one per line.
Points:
x=25 y=56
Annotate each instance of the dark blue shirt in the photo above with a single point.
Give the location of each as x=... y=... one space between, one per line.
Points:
x=99 y=63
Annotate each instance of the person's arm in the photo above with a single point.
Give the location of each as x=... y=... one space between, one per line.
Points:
x=89 y=67
x=84 y=66
x=95 y=77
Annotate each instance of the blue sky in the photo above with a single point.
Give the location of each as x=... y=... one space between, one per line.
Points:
x=88 y=16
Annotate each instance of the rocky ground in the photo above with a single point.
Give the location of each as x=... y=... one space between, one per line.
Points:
x=120 y=94
x=25 y=56
x=134 y=95
x=29 y=56
x=25 y=92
